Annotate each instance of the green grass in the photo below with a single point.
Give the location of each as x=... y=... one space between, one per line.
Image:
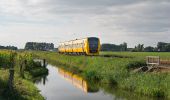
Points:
x=4 y=59
x=116 y=70
x=23 y=88
x=140 y=55
x=31 y=69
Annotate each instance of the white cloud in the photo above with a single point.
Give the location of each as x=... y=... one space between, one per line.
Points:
x=114 y=21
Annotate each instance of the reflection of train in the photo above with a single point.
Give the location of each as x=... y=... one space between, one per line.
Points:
x=76 y=80
x=86 y=46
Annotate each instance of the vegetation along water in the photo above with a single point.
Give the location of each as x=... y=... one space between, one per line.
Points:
x=17 y=70
x=116 y=69
x=61 y=84
x=110 y=70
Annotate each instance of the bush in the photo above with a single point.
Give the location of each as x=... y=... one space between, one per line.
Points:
x=5 y=58
x=136 y=64
x=92 y=75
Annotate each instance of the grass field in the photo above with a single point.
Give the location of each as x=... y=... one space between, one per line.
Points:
x=24 y=89
x=116 y=71
x=140 y=55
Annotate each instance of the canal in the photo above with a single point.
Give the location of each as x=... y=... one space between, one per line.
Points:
x=63 y=85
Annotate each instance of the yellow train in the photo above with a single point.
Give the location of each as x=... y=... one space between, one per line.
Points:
x=85 y=46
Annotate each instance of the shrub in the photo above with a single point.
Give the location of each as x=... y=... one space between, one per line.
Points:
x=136 y=64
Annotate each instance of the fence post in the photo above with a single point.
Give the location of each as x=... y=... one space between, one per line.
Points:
x=158 y=60
x=25 y=65
x=11 y=79
x=21 y=70
x=21 y=67
x=44 y=80
x=11 y=71
x=44 y=62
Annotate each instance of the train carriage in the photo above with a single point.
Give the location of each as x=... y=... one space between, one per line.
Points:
x=86 y=46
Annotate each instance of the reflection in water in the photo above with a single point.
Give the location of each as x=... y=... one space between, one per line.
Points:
x=120 y=94
x=54 y=87
x=57 y=88
x=40 y=79
x=76 y=80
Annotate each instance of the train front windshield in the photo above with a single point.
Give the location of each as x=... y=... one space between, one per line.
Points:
x=93 y=45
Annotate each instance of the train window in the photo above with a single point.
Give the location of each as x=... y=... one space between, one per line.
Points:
x=93 y=44
x=93 y=41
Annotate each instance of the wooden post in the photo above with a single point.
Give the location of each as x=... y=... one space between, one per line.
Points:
x=11 y=71
x=11 y=79
x=44 y=63
x=21 y=70
x=21 y=67
x=25 y=63
x=44 y=80
x=158 y=60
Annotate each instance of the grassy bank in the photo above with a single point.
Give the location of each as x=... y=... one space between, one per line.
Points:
x=23 y=87
x=116 y=71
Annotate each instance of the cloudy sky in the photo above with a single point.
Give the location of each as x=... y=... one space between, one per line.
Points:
x=114 y=21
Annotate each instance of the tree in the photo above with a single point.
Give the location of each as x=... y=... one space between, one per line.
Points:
x=138 y=48
x=167 y=47
x=163 y=47
x=39 y=46
x=123 y=46
x=149 y=49
x=9 y=47
x=113 y=47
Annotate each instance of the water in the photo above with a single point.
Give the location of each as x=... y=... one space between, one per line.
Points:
x=62 y=85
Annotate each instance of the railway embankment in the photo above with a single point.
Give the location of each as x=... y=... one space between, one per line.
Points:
x=115 y=71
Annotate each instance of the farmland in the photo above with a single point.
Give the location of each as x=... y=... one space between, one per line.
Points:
x=116 y=70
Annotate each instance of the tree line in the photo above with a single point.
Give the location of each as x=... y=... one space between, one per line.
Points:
x=8 y=47
x=39 y=46
x=114 y=47
x=161 y=47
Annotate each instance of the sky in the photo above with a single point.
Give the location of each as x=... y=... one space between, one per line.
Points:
x=113 y=21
